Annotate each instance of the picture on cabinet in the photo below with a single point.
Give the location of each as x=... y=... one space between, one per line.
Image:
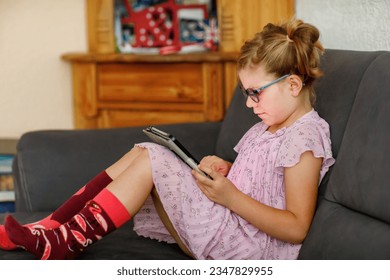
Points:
x=163 y=27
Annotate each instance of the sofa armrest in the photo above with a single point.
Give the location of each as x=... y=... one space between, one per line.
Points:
x=51 y=165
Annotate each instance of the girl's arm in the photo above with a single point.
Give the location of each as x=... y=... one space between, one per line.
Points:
x=289 y=225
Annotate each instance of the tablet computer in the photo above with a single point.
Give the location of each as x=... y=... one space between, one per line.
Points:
x=165 y=139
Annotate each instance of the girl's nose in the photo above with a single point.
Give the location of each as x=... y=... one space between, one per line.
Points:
x=250 y=103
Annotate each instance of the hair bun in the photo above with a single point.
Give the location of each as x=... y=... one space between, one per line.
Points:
x=305 y=32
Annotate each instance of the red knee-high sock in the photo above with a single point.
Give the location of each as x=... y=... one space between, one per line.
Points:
x=98 y=218
x=76 y=202
x=69 y=208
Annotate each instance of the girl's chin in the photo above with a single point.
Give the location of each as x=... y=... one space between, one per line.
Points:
x=266 y=121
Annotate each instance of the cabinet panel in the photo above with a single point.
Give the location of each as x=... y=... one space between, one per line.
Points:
x=136 y=82
x=84 y=100
x=122 y=118
x=100 y=21
x=240 y=20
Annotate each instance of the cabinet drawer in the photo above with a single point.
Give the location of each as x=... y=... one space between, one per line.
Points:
x=153 y=82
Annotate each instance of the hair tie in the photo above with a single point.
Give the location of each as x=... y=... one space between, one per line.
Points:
x=289 y=40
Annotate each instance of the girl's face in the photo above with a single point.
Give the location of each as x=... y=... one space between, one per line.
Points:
x=277 y=105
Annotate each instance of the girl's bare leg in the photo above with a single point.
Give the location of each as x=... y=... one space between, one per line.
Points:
x=133 y=184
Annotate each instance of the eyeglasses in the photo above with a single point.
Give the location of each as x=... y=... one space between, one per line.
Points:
x=254 y=93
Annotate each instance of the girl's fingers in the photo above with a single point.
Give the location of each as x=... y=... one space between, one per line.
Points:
x=209 y=171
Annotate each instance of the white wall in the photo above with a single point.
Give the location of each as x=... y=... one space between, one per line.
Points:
x=349 y=24
x=35 y=84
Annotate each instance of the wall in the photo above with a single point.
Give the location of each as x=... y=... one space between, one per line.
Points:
x=349 y=24
x=35 y=84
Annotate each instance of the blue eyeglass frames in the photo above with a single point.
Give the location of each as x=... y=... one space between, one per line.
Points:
x=254 y=93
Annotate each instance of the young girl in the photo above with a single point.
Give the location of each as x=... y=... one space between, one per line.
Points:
x=259 y=207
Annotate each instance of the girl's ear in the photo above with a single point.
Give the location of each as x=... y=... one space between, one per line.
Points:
x=295 y=86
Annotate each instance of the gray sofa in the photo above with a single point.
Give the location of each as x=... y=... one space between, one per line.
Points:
x=353 y=216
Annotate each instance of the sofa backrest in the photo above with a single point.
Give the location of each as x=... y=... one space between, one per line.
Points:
x=336 y=92
x=353 y=219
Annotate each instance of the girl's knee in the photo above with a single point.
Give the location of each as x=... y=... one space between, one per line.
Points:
x=140 y=151
x=139 y=154
x=135 y=154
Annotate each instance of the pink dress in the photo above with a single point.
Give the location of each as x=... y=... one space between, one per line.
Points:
x=211 y=231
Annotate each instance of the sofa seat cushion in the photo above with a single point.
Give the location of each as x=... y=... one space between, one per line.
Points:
x=341 y=233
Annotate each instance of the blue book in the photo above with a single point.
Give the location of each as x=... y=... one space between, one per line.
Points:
x=6 y=164
x=6 y=207
x=7 y=193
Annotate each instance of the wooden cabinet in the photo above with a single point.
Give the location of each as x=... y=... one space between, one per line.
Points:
x=118 y=90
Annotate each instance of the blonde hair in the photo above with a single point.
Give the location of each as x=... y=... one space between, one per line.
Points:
x=289 y=48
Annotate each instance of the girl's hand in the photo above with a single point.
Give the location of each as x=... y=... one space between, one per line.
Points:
x=217 y=164
x=220 y=190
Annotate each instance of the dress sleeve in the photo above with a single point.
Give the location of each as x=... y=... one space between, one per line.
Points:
x=307 y=137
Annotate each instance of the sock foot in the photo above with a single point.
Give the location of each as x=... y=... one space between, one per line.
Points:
x=42 y=243
x=23 y=236
x=6 y=243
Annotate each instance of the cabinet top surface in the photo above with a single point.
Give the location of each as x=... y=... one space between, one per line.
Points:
x=151 y=58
